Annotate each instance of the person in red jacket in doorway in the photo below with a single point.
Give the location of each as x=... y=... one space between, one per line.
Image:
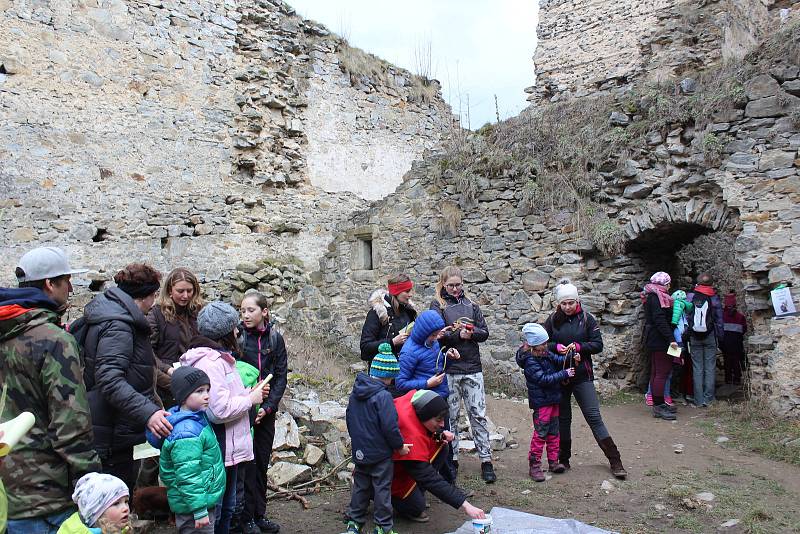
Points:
x=732 y=345
x=421 y=415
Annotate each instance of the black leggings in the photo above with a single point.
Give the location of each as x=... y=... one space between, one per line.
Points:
x=589 y=403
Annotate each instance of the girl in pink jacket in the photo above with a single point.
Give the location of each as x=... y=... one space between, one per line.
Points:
x=230 y=402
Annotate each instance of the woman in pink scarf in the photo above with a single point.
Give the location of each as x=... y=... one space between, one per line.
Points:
x=658 y=338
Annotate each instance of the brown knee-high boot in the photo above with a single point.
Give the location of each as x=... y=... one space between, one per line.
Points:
x=614 y=460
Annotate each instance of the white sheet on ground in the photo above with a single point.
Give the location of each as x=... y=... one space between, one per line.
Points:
x=506 y=521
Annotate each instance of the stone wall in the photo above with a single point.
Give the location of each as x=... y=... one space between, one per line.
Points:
x=671 y=191
x=589 y=47
x=365 y=131
x=179 y=133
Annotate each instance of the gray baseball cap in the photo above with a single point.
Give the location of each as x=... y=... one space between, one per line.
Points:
x=45 y=262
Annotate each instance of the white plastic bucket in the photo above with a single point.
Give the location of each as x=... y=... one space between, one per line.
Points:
x=482 y=526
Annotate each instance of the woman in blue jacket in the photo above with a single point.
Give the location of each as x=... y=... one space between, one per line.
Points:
x=423 y=365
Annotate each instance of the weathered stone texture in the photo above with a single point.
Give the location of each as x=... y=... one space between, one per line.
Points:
x=178 y=132
x=586 y=47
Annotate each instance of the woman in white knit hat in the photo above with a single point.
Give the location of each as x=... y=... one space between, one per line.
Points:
x=571 y=328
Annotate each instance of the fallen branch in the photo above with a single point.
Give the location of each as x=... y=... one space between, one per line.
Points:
x=301 y=500
x=324 y=477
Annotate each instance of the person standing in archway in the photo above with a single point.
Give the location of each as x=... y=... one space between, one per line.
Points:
x=659 y=338
x=706 y=330
x=732 y=344
x=571 y=328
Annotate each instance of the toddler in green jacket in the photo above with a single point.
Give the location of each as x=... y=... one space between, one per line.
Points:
x=191 y=461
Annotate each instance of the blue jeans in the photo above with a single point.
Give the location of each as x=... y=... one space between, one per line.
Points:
x=224 y=509
x=704 y=368
x=38 y=525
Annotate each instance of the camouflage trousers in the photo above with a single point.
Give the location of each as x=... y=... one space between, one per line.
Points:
x=469 y=388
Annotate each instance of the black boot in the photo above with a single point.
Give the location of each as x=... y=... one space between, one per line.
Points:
x=614 y=459
x=565 y=452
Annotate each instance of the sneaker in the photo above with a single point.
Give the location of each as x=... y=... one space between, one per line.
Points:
x=268 y=527
x=250 y=528
x=352 y=528
x=671 y=407
x=380 y=530
x=668 y=400
x=421 y=518
x=662 y=412
x=648 y=399
x=487 y=472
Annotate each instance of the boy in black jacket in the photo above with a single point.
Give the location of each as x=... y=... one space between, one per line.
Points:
x=543 y=375
x=375 y=434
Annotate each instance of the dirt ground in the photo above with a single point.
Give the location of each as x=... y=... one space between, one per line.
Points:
x=657 y=497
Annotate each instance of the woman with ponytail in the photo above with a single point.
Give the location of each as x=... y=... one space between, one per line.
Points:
x=391 y=312
x=574 y=330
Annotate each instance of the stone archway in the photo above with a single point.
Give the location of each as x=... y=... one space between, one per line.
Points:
x=656 y=233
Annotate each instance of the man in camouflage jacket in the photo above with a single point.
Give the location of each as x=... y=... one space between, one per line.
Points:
x=41 y=369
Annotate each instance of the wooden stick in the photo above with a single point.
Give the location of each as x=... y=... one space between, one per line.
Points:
x=324 y=477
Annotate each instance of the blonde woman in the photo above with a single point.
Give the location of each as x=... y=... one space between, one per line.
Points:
x=465 y=375
x=173 y=324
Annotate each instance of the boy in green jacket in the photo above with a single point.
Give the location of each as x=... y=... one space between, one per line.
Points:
x=191 y=461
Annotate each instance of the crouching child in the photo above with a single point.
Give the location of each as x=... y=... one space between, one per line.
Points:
x=543 y=376
x=375 y=435
x=191 y=461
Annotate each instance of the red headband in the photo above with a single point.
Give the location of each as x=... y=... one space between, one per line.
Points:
x=399 y=287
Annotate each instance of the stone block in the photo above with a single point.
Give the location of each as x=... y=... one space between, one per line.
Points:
x=792 y=87
x=336 y=452
x=325 y=416
x=287 y=435
x=286 y=473
x=499 y=276
x=781 y=273
x=761 y=86
x=637 y=191
x=313 y=455
x=776 y=159
x=772 y=106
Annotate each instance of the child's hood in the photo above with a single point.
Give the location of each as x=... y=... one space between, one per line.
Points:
x=192 y=356
x=193 y=422
x=522 y=357
x=367 y=386
x=427 y=322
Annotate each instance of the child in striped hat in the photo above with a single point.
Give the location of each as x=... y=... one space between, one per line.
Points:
x=375 y=434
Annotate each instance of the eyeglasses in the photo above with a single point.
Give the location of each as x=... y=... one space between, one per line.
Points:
x=453 y=286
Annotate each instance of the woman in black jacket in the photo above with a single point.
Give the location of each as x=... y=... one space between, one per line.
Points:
x=120 y=367
x=572 y=328
x=390 y=314
x=659 y=337
x=173 y=324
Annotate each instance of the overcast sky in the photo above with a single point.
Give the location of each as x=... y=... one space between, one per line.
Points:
x=480 y=48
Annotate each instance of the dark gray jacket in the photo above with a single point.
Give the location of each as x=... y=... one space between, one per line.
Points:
x=454 y=309
x=119 y=371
